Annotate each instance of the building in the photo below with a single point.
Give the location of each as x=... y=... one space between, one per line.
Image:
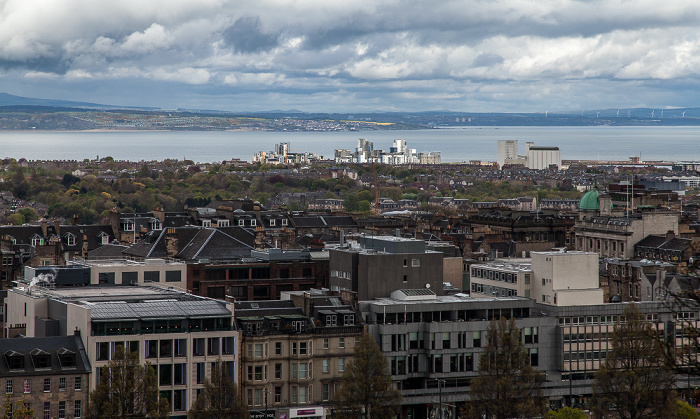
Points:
x=434 y=343
x=540 y=157
x=50 y=374
x=295 y=352
x=180 y=334
x=376 y=266
x=263 y=275
x=612 y=230
x=162 y=272
x=557 y=278
x=507 y=152
x=399 y=153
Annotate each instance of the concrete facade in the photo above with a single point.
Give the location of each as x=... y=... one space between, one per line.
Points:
x=440 y=341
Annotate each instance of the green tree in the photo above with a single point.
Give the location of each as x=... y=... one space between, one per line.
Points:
x=507 y=385
x=685 y=411
x=566 y=413
x=219 y=397
x=367 y=390
x=17 y=410
x=127 y=389
x=634 y=381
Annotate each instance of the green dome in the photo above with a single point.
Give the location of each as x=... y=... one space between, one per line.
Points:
x=589 y=201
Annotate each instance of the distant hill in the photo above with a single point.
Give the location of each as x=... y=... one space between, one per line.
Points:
x=7 y=99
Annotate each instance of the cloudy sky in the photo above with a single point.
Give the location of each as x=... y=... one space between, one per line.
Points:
x=357 y=55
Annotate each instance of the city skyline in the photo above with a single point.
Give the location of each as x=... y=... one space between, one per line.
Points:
x=506 y=56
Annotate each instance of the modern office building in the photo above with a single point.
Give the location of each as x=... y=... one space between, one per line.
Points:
x=434 y=343
x=180 y=334
x=377 y=265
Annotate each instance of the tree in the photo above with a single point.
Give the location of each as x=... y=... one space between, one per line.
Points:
x=127 y=389
x=367 y=390
x=219 y=397
x=17 y=410
x=507 y=385
x=634 y=381
x=566 y=413
x=685 y=411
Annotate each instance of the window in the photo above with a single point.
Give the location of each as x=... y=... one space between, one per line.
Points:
x=70 y=239
x=303 y=371
x=326 y=365
x=105 y=277
x=130 y=278
x=47 y=385
x=284 y=221
x=325 y=392
x=302 y=394
x=415 y=263
x=104 y=238
x=78 y=409
x=272 y=222
x=302 y=348
x=241 y=223
x=341 y=364
x=278 y=394
x=173 y=276
x=294 y=394
x=62 y=410
x=294 y=370
x=326 y=343
x=78 y=383
x=278 y=371
x=27 y=386
x=258 y=373
x=341 y=342
x=47 y=410
x=476 y=342
x=278 y=348
x=253 y=222
x=294 y=348
x=8 y=387
x=151 y=276
x=258 y=350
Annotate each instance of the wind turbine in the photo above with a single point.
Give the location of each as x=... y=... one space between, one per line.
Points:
x=652 y=113
x=596 y=114
x=662 y=113
x=684 y=114
x=618 y=113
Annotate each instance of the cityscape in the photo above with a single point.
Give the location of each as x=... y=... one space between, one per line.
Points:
x=349 y=210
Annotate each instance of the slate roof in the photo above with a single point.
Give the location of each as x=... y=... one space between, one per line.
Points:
x=52 y=345
x=163 y=309
x=195 y=243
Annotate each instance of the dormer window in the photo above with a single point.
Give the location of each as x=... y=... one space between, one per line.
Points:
x=66 y=358
x=349 y=320
x=284 y=221
x=241 y=223
x=15 y=360
x=156 y=225
x=222 y=223
x=206 y=223
x=129 y=225
x=70 y=239
x=104 y=238
x=252 y=222
x=37 y=241
x=331 y=320
x=272 y=222
x=41 y=359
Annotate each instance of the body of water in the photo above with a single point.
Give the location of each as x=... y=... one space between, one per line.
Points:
x=455 y=144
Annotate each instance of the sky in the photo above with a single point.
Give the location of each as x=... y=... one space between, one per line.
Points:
x=354 y=56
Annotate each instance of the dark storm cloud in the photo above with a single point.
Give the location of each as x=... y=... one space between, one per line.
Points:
x=246 y=36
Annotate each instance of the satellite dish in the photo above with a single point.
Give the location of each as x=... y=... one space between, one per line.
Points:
x=427 y=285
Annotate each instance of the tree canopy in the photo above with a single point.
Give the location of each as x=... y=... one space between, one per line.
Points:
x=219 y=397
x=127 y=389
x=634 y=382
x=507 y=385
x=367 y=390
